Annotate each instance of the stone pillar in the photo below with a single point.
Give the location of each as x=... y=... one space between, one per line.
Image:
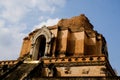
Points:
x=31 y=50
x=47 y=49
x=35 y=51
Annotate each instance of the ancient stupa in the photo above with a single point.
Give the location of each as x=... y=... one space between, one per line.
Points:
x=71 y=49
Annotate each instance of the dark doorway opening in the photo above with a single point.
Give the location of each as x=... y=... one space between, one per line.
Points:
x=42 y=44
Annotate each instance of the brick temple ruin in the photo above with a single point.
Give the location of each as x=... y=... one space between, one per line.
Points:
x=69 y=50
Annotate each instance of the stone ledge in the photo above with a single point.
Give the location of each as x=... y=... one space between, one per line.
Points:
x=31 y=62
x=11 y=62
x=74 y=59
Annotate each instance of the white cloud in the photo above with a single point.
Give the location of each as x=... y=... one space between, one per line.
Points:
x=42 y=18
x=15 y=10
x=10 y=41
x=48 y=5
x=49 y=22
x=2 y=23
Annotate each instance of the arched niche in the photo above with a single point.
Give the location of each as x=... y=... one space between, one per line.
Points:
x=41 y=43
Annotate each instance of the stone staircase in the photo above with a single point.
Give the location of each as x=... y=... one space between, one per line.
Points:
x=20 y=70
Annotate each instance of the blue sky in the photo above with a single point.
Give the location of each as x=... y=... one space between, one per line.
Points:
x=19 y=17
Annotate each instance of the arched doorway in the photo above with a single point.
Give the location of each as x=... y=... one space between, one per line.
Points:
x=41 y=46
x=41 y=43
